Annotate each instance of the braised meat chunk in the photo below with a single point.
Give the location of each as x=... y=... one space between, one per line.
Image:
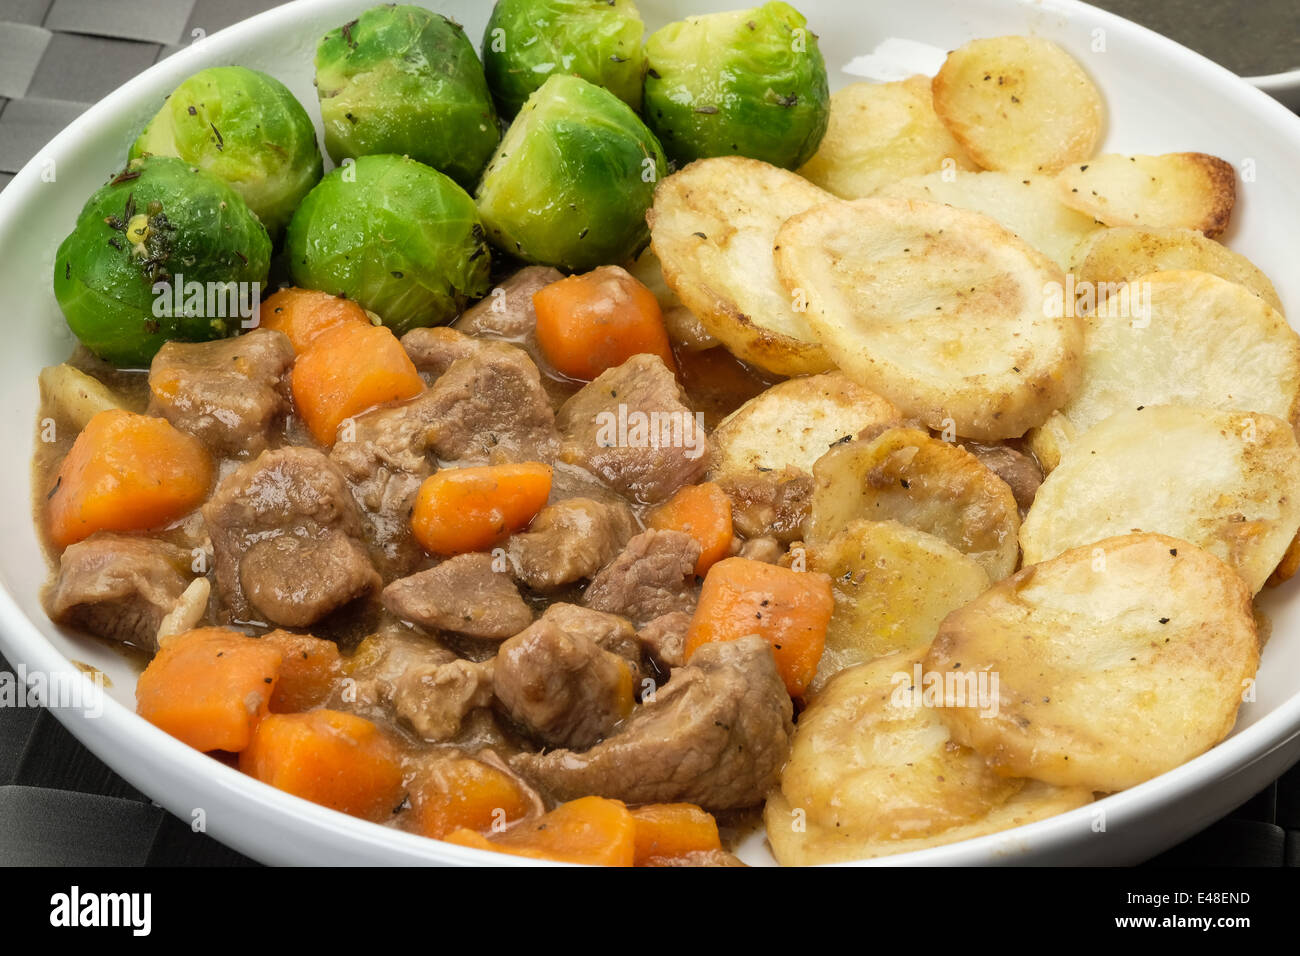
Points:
x=664 y=639
x=385 y=456
x=465 y=594
x=561 y=687
x=631 y=427
x=609 y=631
x=287 y=539
x=654 y=575
x=487 y=402
x=570 y=540
x=717 y=734
x=119 y=586
x=507 y=312
x=434 y=699
x=231 y=394
x=772 y=505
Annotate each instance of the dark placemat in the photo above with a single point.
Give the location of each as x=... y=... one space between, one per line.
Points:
x=59 y=804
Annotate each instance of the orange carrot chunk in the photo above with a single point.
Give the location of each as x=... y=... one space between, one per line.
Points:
x=303 y=314
x=346 y=370
x=704 y=512
x=592 y=322
x=472 y=509
x=465 y=793
x=311 y=668
x=589 y=830
x=335 y=759
x=209 y=687
x=673 y=829
x=126 y=472
x=788 y=609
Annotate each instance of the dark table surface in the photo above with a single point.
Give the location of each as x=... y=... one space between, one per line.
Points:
x=59 y=804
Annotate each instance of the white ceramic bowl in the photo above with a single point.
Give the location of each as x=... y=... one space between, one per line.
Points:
x=1284 y=87
x=1161 y=97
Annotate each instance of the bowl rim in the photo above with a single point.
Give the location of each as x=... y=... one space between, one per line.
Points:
x=1272 y=82
x=120 y=729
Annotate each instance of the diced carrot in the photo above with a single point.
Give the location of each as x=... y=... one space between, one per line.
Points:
x=472 y=509
x=592 y=322
x=465 y=793
x=209 y=687
x=589 y=830
x=789 y=609
x=704 y=512
x=126 y=472
x=346 y=370
x=303 y=314
x=673 y=829
x=310 y=670
x=338 y=760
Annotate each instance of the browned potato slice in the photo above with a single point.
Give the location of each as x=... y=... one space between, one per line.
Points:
x=1178 y=190
x=817 y=843
x=1185 y=338
x=873 y=771
x=940 y=310
x=892 y=586
x=712 y=226
x=1228 y=482
x=1115 y=662
x=1030 y=206
x=1019 y=103
x=904 y=475
x=881 y=132
x=795 y=422
x=1112 y=257
x=1049 y=440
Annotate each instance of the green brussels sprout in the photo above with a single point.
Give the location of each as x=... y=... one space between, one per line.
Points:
x=401 y=239
x=528 y=40
x=570 y=184
x=126 y=276
x=749 y=82
x=246 y=128
x=407 y=81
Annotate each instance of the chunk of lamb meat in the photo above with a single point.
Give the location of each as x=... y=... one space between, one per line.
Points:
x=770 y=504
x=385 y=458
x=1021 y=472
x=464 y=594
x=487 y=401
x=717 y=734
x=664 y=639
x=287 y=539
x=631 y=428
x=655 y=574
x=231 y=394
x=561 y=687
x=119 y=586
x=380 y=661
x=435 y=699
x=610 y=632
x=568 y=541
x=507 y=312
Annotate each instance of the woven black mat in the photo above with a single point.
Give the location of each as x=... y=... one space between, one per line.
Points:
x=59 y=804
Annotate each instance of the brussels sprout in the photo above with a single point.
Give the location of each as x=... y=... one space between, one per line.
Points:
x=401 y=239
x=406 y=81
x=751 y=82
x=125 y=277
x=246 y=128
x=528 y=40
x=570 y=184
